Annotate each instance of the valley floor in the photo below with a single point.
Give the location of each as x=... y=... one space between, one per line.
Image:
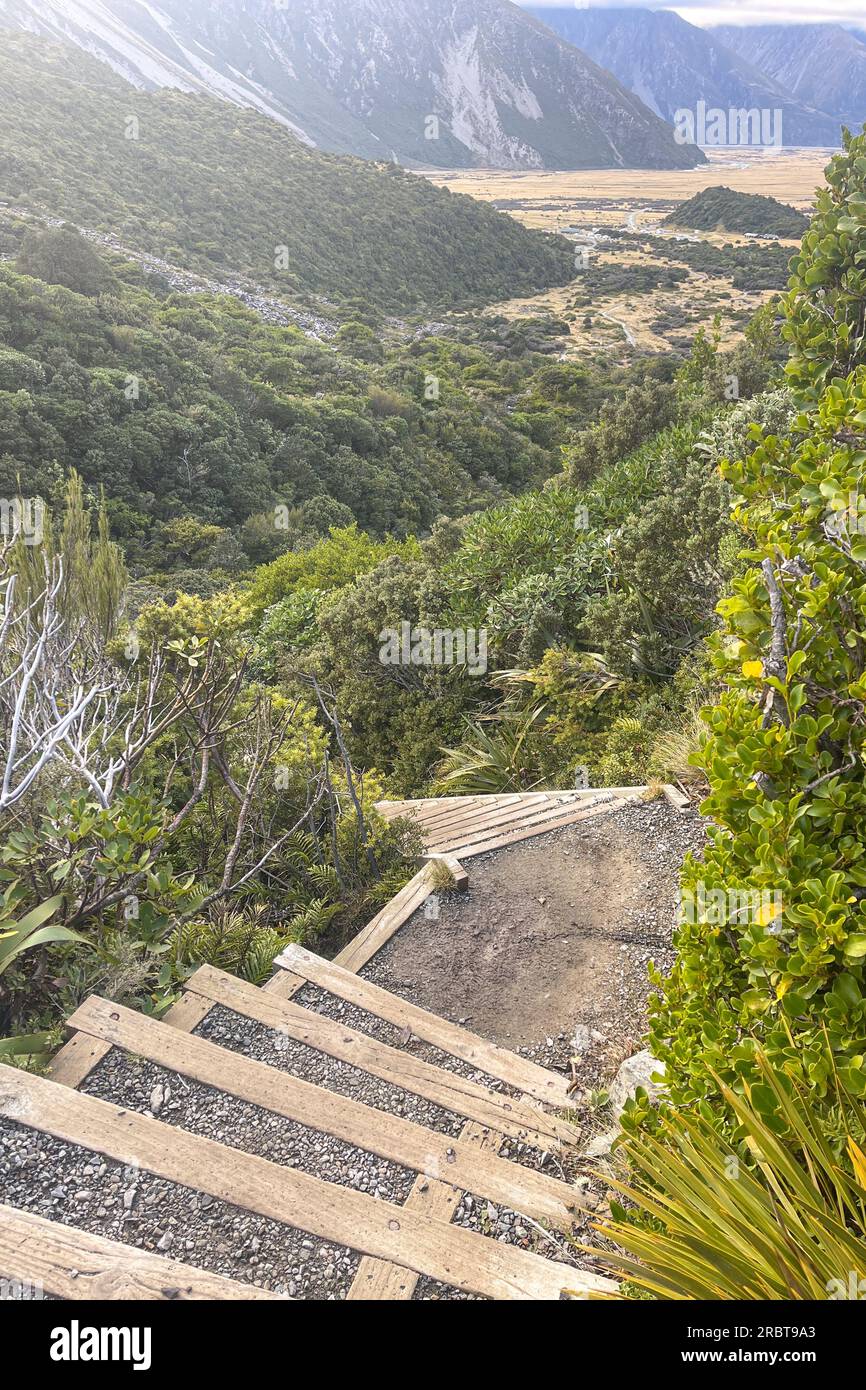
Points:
x=587 y=204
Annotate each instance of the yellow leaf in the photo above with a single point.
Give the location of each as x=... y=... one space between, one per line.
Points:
x=753 y=670
x=768 y=912
x=783 y=986
x=858 y=1159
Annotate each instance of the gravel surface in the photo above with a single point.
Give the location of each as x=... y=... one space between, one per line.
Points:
x=64 y=1183
x=268 y=1045
x=331 y=1006
x=139 y=1085
x=430 y=1291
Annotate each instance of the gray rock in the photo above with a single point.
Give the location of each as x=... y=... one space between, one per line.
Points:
x=635 y=1072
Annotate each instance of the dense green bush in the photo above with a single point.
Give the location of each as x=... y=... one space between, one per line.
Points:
x=781 y=955
x=738 y=212
x=828 y=284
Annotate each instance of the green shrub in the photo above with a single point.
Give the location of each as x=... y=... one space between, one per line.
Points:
x=784 y=758
x=828 y=282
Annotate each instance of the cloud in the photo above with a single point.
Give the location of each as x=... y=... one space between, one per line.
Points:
x=705 y=13
x=768 y=12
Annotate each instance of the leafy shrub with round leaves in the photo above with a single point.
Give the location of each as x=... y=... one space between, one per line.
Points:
x=825 y=306
x=785 y=760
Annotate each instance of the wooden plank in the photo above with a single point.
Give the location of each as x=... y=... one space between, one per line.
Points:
x=72 y=1264
x=454 y=1256
x=284 y=985
x=377 y=1280
x=676 y=798
x=513 y=837
x=462 y=1097
x=474 y=810
x=523 y=812
x=81 y=1054
x=458 y=873
x=76 y=1059
x=425 y=812
x=504 y=822
x=189 y=1011
x=380 y=1280
x=519 y=1072
x=383 y=926
x=389 y=1136
x=490 y=797
x=459 y=830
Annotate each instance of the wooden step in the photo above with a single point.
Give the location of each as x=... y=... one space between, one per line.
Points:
x=517 y=1119
x=383 y=926
x=69 y=1263
x=402 y=1141
x=510 y=809
x=519 y=1072
x=435 y=816
x=513 y=837
x=547 y=816
x=377 y=1280
x=460 y=1258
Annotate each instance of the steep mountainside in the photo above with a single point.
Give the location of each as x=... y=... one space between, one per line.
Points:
x=215 y=189
x=821 y=64
x=672 y=65
x=368 y=77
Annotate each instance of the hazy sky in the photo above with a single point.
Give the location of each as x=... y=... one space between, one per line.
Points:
x=744 y=11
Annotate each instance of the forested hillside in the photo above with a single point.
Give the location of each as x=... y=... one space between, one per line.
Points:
x=200 y=419
x=207 y=186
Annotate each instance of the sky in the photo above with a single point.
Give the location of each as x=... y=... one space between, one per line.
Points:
x=705 y=12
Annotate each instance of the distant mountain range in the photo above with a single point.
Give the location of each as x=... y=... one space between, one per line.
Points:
x=443 y=83
x=672 y=65
x=820 y=64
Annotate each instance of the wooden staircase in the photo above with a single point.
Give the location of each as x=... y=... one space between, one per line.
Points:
x=466 y=826
x=519 y=1101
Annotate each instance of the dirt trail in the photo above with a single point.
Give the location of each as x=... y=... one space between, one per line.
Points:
x=553 y=938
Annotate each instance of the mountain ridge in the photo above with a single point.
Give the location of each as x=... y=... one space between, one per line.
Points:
x=443 y=83
x=823 y=63
x=672 y=65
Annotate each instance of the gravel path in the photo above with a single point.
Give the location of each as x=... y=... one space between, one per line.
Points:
x=548 y=951
x=557 y=928
x=268 y=1045
x=139 y=1085
x=64 y=1183
x=320 y=1002
x=229 y=1030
